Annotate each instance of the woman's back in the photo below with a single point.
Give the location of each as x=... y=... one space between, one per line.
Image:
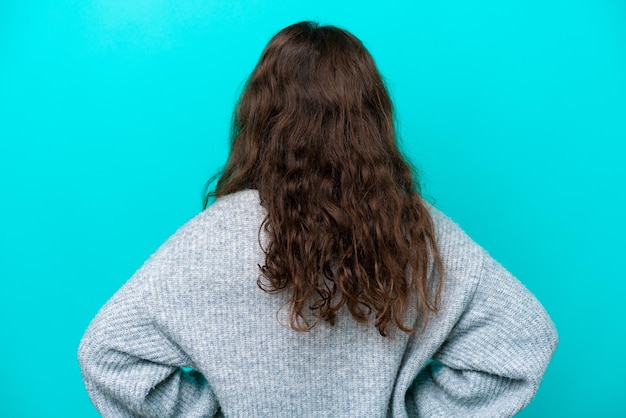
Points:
x=195 y=303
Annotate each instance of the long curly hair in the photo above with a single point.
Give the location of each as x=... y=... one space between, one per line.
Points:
x=313 y=133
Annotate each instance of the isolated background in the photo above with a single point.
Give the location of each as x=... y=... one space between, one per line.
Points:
x=114 y=113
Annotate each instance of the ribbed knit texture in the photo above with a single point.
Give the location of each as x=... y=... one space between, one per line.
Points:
x=195 y=304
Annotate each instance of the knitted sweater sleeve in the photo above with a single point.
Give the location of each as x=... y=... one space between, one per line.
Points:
x=498 y=345
x=131 y=369
x=494 y=357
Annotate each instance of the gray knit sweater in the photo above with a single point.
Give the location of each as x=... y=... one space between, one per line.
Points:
x=192 y=335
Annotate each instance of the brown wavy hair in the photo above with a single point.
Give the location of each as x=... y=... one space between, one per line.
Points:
x=314 y=133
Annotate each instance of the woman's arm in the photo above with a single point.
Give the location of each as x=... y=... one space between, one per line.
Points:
x=131 y=369
x=492 y=362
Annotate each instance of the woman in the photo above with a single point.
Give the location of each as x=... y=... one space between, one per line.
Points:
x=319 y=283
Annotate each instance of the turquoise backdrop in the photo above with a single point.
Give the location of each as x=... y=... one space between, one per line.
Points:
x=113 y=113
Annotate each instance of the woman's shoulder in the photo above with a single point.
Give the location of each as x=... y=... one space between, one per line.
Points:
x=452 y=241
x=228 y=221
x=232 y=211
x=464 y=261
x=243 y=199
x=232 y=206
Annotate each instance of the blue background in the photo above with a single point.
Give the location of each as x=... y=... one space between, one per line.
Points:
x=114 y=113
